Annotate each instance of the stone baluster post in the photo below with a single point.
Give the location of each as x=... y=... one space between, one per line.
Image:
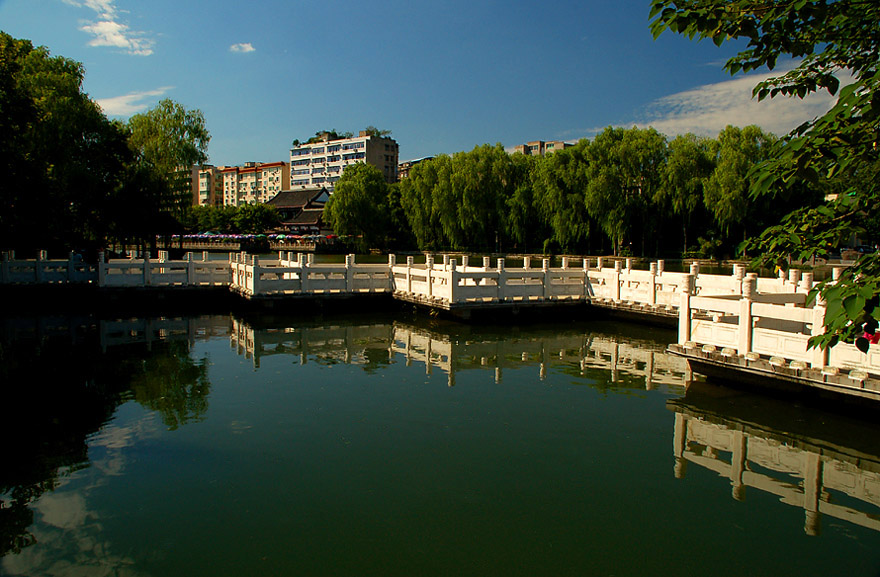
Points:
x=599 y=264
x=487 y=263
x=748 y=290
x=615 y=283
x=190 y=270
x=547 y=278
x=71 y=268
x=588 y=288
x=465 y=261
x=306 y=261
x=695 y=271
x=429 y=269
x=819 y=356
x=794 y=275
x=652 y=286
x=527 y=262
x=564 y=262
x=502 y=280
x=629 y=264
x=687 y=289
x=739 y=273
x=445 y=262
x=806 y=283
x=349 y=272
x=42 y=256
x=148 y=269
x=392 y=262
x=454 y=276
x=255 y=267
x=409 y=265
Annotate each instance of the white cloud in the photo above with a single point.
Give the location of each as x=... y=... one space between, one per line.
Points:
x=706 y=110
x=108 y=30
x=242 y=47
x=131 y=103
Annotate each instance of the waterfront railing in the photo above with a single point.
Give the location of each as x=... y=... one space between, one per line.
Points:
x=739 y=317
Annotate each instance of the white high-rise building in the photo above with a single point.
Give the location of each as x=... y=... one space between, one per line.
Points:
x=321 y=163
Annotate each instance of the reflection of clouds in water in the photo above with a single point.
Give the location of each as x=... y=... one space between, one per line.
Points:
x=65 y=510
x=106 y=447
x=68 y=553
x=69 y=540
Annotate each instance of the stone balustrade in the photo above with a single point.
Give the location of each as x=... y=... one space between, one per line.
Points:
x=738 y=313
x=778 y=326
x=298 y=274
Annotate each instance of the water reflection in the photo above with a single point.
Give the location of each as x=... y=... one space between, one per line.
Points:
x=611 y=359
x=143 y=440
x=63 y=380
x=824 y=463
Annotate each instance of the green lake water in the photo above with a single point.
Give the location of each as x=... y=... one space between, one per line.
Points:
x=389 y=445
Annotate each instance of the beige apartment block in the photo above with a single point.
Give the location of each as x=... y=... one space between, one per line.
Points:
x=253 y=183
x=321 y=163
x=540 y=147
x=207 y=185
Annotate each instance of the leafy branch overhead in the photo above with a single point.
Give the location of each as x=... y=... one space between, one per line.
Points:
x=828 y=39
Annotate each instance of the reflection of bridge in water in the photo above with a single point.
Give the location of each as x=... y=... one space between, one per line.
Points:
x=111 y=333
x=827 y=465
x=393 y=342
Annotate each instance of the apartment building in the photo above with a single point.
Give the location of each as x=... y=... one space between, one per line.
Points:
x=207 y=185
x=540 y=148
x=321 y=163
x=404 y=167
x=253 y=183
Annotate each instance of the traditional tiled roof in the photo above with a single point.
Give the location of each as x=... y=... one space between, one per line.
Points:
x=297 y=198
x=310 y=216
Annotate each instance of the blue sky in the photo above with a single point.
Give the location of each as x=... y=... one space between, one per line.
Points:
x=443 y=76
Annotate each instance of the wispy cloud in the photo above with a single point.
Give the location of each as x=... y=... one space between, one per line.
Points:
x=706 y=110
x=131 y=103
x=242 y=47
x=110 y=30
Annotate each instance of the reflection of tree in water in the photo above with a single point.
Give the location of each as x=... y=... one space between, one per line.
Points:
x=45 y=417
x=57 y=393
x=375 y=359
x=172 y=384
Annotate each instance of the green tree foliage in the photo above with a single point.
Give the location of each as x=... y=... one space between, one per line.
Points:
x=736 y=152
x=560 y=181
x=245 y=219
x=523 y=225
x=623 y=176
x=417 y=200
x=171 y=139
x=61 y=158
x=462 y=201
x=359 y=205
x=255 y=219
x=481 y=182
x=827 y=36
x=688 y=165
x=375 y=132
x=325 y=135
